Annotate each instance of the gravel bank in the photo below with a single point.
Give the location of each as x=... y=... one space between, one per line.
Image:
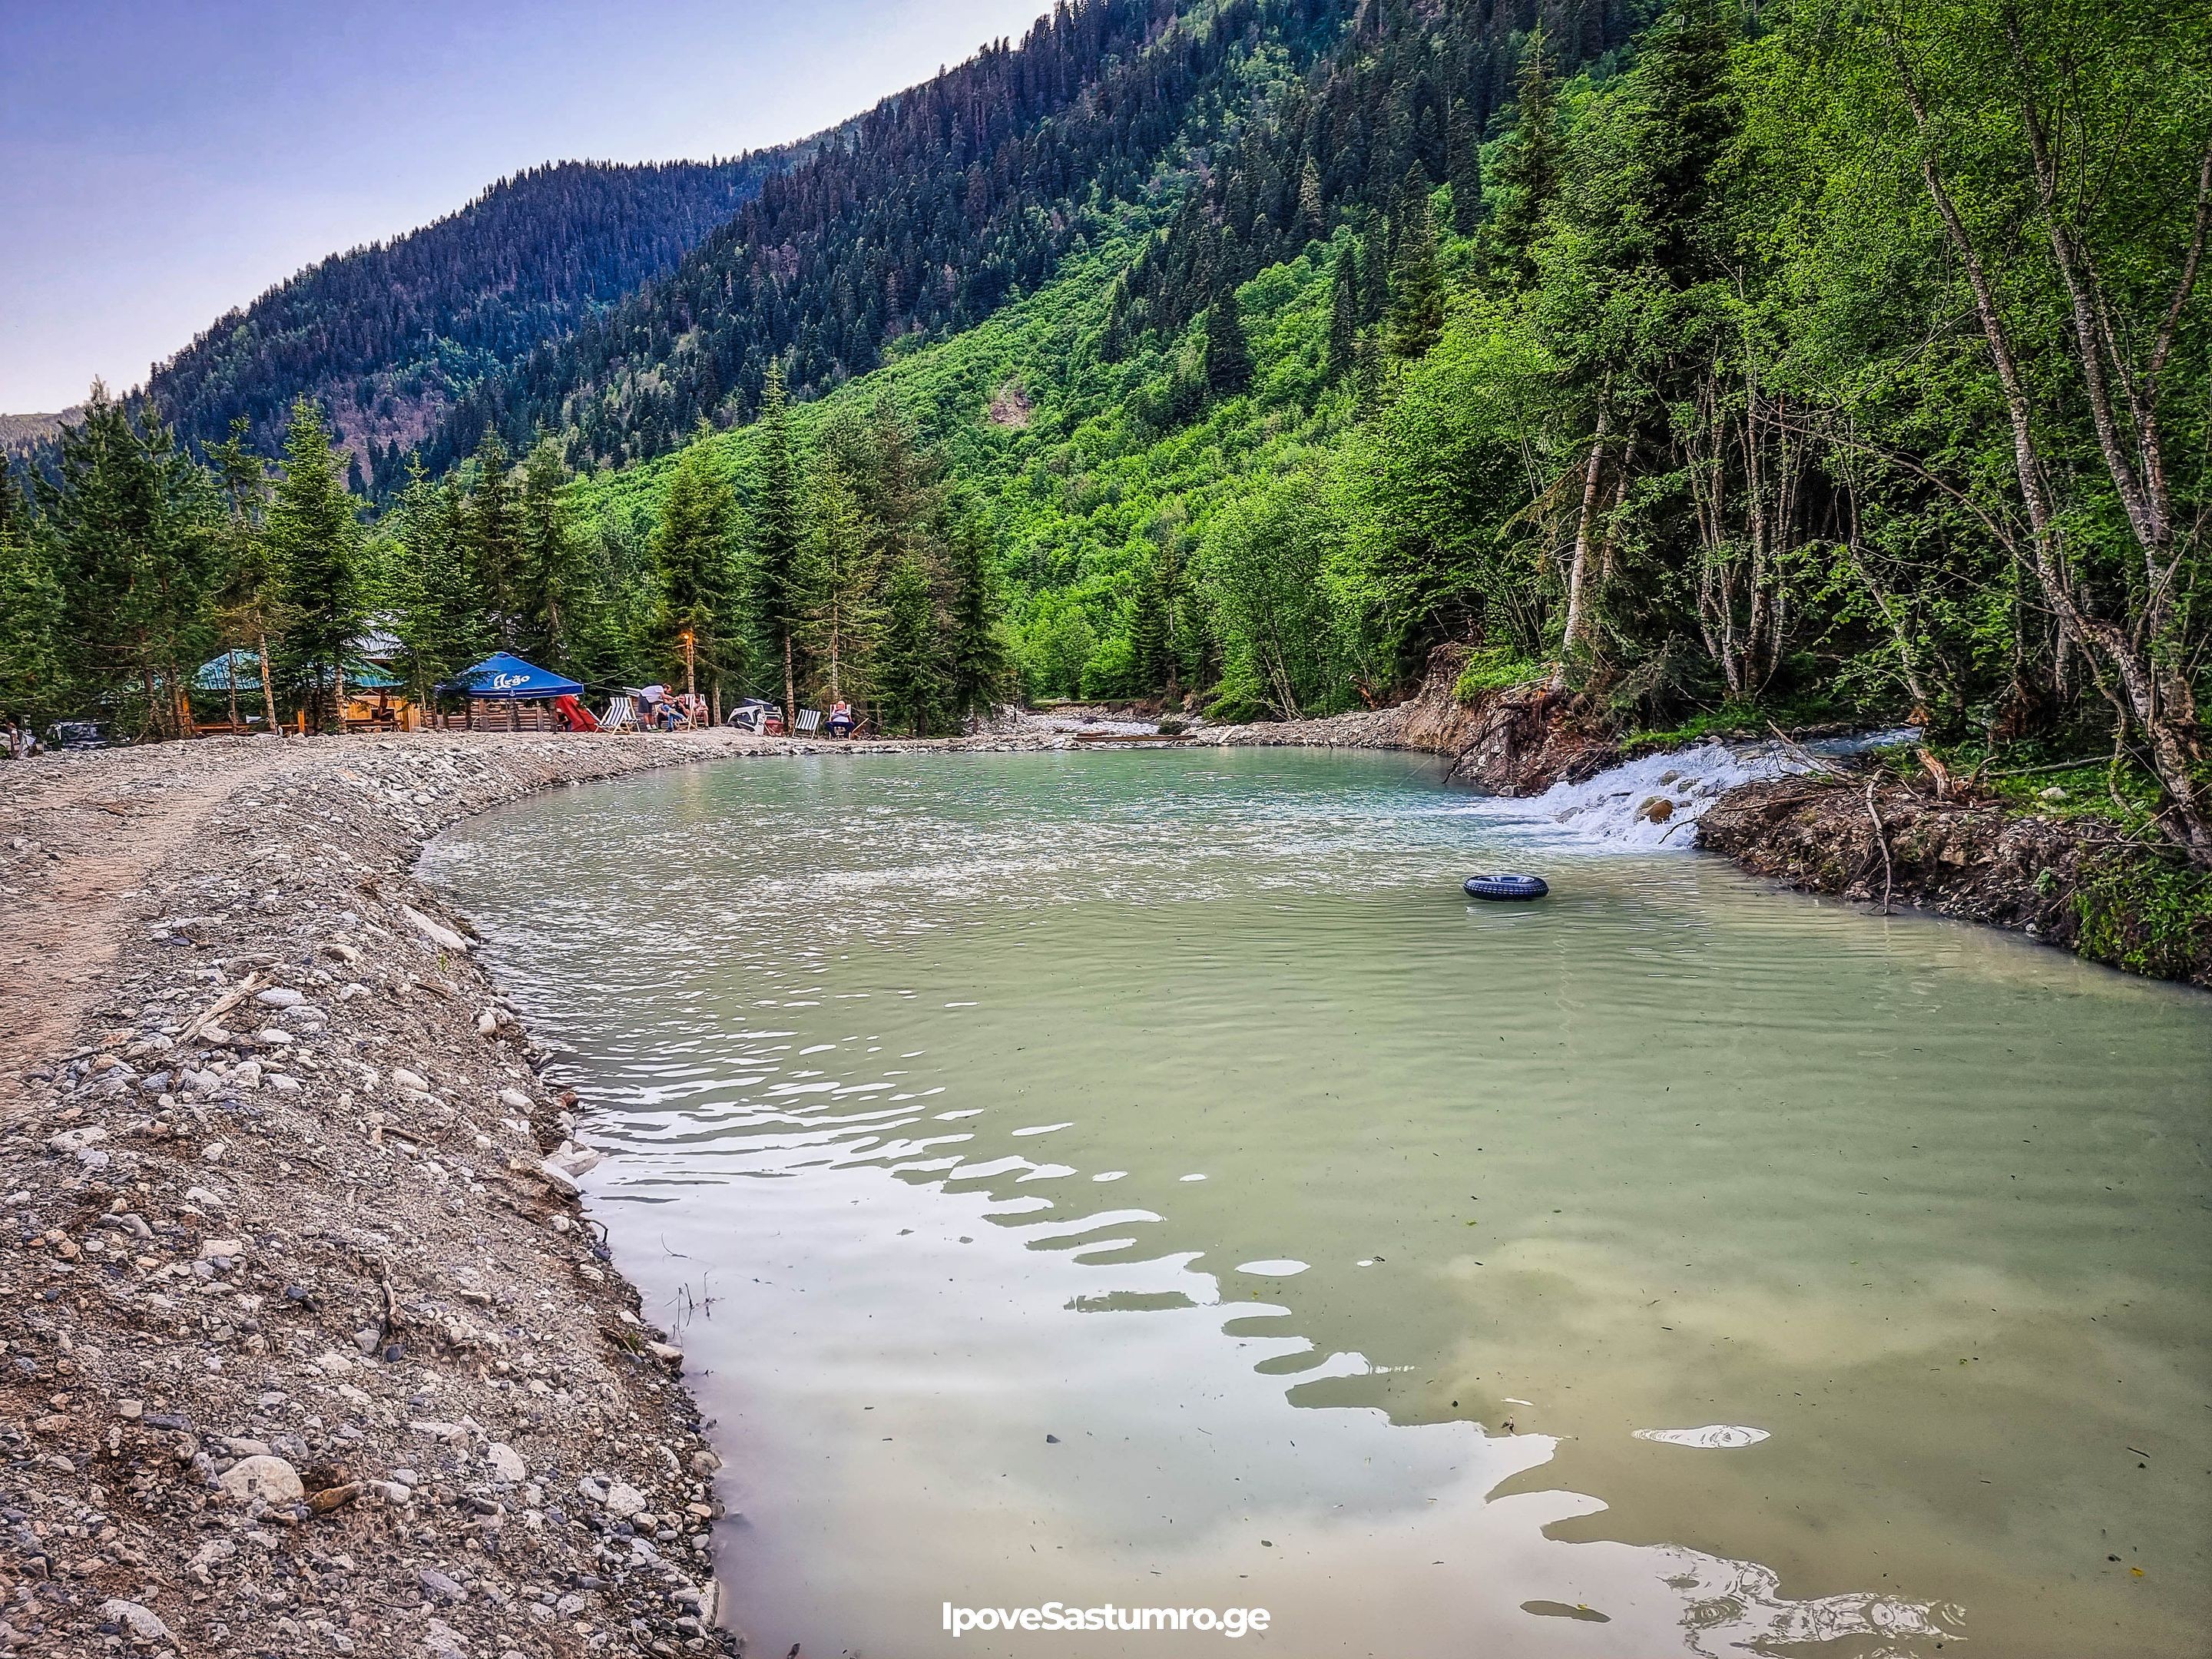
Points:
x=308 y=1346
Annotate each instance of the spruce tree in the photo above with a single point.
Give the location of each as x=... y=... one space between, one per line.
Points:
x=494 y=537
x=1307 y=226
x=31 y=689
x=131 y=529
x=910 y=678
x=1464 y=169
x=1228 y=357
x=1529 y=172
x=976 y=659
x=778 y=536
x=553 y=575
x=694 y=551
x=314 y=541
x=250 y=597
x=1416 y=316
x=842 y=614
x=1343 y=310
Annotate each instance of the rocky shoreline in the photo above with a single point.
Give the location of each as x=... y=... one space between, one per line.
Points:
x=309 y=1347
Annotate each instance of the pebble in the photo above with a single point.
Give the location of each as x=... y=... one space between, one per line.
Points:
x=279 y=996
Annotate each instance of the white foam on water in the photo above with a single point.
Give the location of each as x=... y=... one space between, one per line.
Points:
x=1623 y=807
x=1713 y=1437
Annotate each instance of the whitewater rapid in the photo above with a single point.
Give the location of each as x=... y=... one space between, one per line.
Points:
x=1656 y=801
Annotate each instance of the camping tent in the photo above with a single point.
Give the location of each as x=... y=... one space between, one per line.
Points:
x=504 y=678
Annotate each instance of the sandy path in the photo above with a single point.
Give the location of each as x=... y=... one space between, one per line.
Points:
x=79 y=835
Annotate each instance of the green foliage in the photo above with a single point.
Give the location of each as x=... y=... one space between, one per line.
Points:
x=694 y=551
x=2148 y=914
x=314 y=542
x=1494 y=668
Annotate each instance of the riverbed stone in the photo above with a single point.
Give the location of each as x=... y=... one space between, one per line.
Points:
x=269 y=1479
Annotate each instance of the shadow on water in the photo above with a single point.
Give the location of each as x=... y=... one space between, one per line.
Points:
x=1142 y=1178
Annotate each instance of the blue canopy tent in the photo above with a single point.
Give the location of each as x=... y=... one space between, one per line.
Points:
x=505 y=677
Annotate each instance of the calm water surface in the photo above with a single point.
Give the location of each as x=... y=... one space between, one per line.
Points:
x=1142 y=1178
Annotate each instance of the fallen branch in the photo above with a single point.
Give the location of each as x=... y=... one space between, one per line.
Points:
x=222 y=1005
x=1881 y=840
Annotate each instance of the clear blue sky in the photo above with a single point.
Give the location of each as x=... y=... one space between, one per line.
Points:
x=163 y=161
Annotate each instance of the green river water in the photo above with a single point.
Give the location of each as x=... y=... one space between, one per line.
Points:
x=1141 y=1177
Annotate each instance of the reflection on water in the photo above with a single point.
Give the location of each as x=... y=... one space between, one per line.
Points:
x=1143 y=1178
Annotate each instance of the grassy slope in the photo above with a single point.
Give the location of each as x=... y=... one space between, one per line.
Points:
x=1074 y=492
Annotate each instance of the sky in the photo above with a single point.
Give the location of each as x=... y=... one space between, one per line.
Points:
x=162 y=161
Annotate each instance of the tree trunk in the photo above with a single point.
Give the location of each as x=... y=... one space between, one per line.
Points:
x=1570 y=641
x=790 y=691
x=2168 y=724
x=268 y=695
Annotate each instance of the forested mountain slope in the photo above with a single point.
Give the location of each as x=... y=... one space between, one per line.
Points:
x=943 y=202
x=385 y=336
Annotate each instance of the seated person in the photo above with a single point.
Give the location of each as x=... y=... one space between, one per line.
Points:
x=840 y=723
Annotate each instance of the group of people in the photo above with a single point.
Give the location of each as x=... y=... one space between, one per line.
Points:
x=18 y=741
x=658 y=709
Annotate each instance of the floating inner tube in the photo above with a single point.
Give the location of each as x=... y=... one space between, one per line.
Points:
x=1506 y=887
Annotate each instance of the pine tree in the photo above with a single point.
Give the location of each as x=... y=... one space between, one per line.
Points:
x=778 y=535
x=314 y=542
x=1416 y=316
x=1152 y=623
x=1228 y=358
x=553 y=587
x=131 y=530
x=1464 y=169
x=31 y=689
x=975 y=657
x=1529 y=172
x=1307 y=226
x=694 y=551
x=250 y=597
x=494 y=537
x=910 y=678
x=841 y=619
x=1343 y=310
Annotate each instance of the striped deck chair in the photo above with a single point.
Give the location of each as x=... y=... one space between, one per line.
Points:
x=809 y=722
x=621 y=715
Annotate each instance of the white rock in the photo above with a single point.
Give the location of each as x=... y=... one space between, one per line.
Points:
x=404 y=1078
x=221 y=1249
x=505 y=1462
x=247 y=1076
x=487 y=1023
x=273 y=1037
x=279 y=996
x=351 y=989
x=577 y=1160
x=269 y=1479
x=623 y=1500
x=142 y=1622
x=213 y=1151
x=333 y=1363
x=284 y=1084
x=516 y=1099
x=70 y=1141
x=436 y=932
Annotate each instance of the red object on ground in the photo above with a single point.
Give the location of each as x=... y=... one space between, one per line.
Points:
x=580 y=718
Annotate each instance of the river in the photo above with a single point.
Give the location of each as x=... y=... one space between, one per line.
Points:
x=1142 y=1178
